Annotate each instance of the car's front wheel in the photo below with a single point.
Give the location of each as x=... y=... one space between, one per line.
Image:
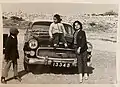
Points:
x=26 y=67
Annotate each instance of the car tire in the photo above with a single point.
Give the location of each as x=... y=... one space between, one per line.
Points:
x=26 y=67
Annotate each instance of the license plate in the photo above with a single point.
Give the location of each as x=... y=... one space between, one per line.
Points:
x=59 y=64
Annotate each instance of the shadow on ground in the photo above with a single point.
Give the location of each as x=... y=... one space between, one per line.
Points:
x=37 y=69
x=20 y=74
x=57 y=70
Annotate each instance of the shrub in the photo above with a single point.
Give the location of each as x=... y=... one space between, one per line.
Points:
x=92 y=24
x=4 y=17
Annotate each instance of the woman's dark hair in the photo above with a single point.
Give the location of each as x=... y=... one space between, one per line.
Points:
x=81 y=27
x=58 y=17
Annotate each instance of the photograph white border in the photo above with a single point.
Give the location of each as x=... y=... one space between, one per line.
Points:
x=65 y=1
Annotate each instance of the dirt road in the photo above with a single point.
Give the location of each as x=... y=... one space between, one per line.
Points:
x=103 y=70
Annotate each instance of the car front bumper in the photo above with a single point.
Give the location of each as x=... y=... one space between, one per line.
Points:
x=50 y=61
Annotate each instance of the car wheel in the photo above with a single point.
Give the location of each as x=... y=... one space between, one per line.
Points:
x=26 y=67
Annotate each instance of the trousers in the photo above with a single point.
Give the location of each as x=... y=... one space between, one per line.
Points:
x=7 y=68
x=57 y=37
x=82 y=62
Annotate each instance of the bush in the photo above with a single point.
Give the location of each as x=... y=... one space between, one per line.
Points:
x=17 y=18
x=4 y=17
x=110 y=13
x=92 y=24
x=14 y=18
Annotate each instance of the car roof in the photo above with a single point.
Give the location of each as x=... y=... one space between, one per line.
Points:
x=48 y=21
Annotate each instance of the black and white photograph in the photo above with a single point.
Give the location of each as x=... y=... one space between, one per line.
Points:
x=59 y=43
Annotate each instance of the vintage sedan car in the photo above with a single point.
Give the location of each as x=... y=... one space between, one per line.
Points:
x=38 y=48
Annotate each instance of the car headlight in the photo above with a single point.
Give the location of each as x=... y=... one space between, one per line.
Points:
x=33 y=43
x=32 y=53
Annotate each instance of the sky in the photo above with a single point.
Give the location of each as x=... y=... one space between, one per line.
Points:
x=62 y=8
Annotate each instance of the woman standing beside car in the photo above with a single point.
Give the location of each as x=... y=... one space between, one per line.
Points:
x=80 y=45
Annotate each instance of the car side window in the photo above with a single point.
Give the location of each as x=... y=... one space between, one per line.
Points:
x=68 y=29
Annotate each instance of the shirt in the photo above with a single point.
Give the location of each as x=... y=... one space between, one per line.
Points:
x=56 y=28
x=75 y=37
x=81 y=41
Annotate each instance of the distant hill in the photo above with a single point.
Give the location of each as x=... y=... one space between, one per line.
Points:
x=90 y=22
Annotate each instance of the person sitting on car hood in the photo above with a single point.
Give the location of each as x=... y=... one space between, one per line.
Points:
x=57 y=31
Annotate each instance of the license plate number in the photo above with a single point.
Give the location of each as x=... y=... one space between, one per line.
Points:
x=57 y=64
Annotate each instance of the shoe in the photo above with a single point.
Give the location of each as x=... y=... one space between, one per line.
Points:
x=3 y=80
x=55 y=45
x=18 y=78
x=66 y=45
x=81 y=80
x=86 y=76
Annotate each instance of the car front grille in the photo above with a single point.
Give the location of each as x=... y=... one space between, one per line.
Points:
x=56 y=53
x=41 y=34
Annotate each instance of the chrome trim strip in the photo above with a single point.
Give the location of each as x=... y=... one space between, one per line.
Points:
x=49 y=58
x=62 y=59
x=47 y=48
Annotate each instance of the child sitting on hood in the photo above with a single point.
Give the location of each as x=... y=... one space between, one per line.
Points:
x=57 y=31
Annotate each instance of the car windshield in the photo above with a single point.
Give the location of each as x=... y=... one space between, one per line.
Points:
x=41 y=26
x=44 y=27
